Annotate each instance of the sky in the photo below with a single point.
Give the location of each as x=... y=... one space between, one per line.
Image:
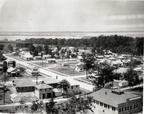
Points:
x=71 y=15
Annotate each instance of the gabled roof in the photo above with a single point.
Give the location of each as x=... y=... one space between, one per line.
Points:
x=106 y=96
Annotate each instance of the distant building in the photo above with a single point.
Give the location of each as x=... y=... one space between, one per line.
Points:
x=79 y=67
x=43 y=91
x=109 y=101
x=51 y=60
x=120 y=83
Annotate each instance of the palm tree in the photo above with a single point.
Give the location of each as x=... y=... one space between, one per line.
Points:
x=64 y=84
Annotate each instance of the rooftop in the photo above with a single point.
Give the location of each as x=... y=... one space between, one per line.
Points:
x=24 y=83
x=43 y=86
x=106 y=96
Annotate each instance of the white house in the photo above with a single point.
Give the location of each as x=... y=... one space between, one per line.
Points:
x=43 y=91
x=73 y=89
x=26 y=55
x=120 y=83
x=79 y=67
x=51 y=60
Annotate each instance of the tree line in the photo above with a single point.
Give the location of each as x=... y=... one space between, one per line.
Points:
x=115 y=43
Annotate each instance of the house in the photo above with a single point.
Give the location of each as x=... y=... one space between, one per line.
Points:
x=57 y=92
x=51 y=60
x=37 y=57
x=46 y=56
x=26 y=55
x=43 y=91
x=79 y=67
x=117 y=63
x=24 y=85
x=32 y=70
x=109 y=101
x=73 y=89
x=120 y=83
x=100 y=57
x=121 y=70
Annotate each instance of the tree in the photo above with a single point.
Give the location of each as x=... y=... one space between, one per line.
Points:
x=31 y=48
x=51 y=107
x=10 y=47
x=46 y=49
x=5 y=66
x=132 y=77
x=64 y=84
x=88 y=60
x=106 y=75
x=78 y=104
x=13 y=64
x=34 y=106
x=35 y=52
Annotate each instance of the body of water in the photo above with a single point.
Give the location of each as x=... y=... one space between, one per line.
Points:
x=24 y=35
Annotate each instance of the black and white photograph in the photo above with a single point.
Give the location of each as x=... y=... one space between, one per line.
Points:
x=71 y=56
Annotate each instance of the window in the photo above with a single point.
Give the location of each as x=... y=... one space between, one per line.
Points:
x=105 y=105
x=136 y=105
x=101 y=103
x=113 y=108
x=72 y=87
x=125 y=108
x=119 y=109
x=130 y=107
x=122 y=109
x=108 y=106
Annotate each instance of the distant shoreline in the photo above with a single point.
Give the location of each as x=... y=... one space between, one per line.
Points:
x=63 y=34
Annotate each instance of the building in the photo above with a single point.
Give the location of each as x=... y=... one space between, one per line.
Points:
x=51 y=60
x=38 y=57
x=73 y=89
x=57 y=92
x=120 y=83
x=79 y=67
x=43 y=91
x=109 y=101
x=24 y=85
x=26 y=55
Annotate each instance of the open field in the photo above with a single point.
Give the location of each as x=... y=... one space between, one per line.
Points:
x=68 y=70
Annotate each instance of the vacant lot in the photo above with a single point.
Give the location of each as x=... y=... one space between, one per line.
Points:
x=68 y=69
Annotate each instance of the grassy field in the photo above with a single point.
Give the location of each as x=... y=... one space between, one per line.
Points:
x=58 y=67
x=67 y=71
